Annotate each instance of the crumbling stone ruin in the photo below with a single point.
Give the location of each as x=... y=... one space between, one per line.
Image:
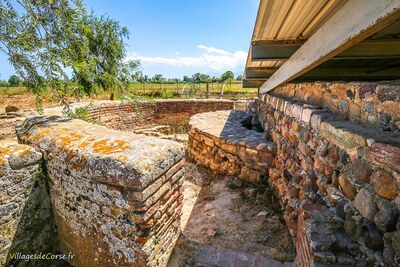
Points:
x=330 y=151
x=26 y=219
x=107 y=197
x=219 y=141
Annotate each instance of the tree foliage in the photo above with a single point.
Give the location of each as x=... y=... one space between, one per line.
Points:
x=157 y=78
x=200 y=77
x=45 y=40
x=14 y=80
x=227 y=76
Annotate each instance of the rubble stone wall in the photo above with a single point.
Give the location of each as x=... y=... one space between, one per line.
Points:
x=8 y=121
x=131 y=115
x=116 y=196
x=219 y=141
x=376 y=103
x=124 y=115
x=26 y=221
x=353 y=169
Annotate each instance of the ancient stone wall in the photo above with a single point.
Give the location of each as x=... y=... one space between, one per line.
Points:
x=132 y=115
x=8 y=121
x=221 y=142
x=116 y=196
x=346 y=166
x=374 y=102
x=26 y=221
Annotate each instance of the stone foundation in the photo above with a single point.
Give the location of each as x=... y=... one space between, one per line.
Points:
x=116 y=196
x=376 y=103
x=219 y=141
x=132 y=115
x=8 y=121
x=354 y=170
x=321 y=241
x=26 y=221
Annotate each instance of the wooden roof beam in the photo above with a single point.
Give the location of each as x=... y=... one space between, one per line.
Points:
x=252 y=83
x=367 y=49
x=352 y=23
x=332 y=74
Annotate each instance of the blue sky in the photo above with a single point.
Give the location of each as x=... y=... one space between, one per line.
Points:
x=180 y=37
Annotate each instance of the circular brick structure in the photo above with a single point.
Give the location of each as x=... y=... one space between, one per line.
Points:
x=221 y=142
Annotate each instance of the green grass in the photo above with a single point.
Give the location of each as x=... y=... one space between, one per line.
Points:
x=154 y=91
x=177 y=88
x=13 y=90
x=167 y=94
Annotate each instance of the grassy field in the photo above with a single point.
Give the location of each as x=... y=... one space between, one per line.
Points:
x=233 y=89
x=13 y=90
x=21 y=97
x=166 y=90
x=201 y=87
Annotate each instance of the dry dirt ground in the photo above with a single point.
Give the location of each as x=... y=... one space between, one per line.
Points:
x=221 y=215
x=25 y=102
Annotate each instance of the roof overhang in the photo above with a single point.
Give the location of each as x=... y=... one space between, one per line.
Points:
x=313 y=40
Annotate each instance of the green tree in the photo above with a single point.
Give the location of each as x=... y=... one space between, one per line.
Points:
x=157 y=78
x=227 y=76
x=239 y=78
x=44 y=39
x=200 y=77
x=14 y=80
x=214 y=79
x=4 y=83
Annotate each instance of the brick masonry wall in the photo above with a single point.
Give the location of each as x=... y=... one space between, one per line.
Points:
x=116 y=197
x=324 y=159
x=374 y=102
x=26 y=221
x=132 y=115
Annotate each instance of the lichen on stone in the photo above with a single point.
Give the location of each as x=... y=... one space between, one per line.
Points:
x=109 y=146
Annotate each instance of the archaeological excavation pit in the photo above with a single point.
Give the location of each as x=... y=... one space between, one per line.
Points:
x=116 y=195
x=121 y=189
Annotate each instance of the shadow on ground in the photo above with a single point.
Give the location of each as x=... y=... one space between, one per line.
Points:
x=227 y=223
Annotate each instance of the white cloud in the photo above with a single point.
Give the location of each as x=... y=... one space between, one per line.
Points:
x=215 y=59
x=213 y=50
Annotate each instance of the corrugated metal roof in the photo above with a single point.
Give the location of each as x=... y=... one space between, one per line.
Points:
x=292 y=19
x=282 y=24
x=288 y=20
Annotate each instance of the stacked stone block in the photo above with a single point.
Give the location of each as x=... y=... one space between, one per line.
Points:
x=116 y=196
x=376 y=103
x=219 y=141
x=353 y=169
